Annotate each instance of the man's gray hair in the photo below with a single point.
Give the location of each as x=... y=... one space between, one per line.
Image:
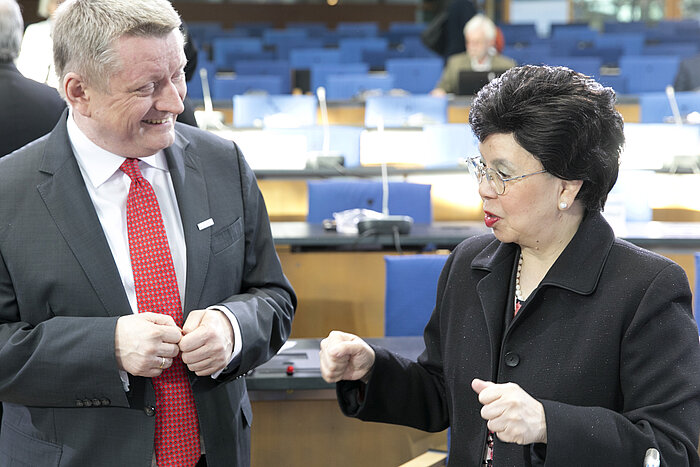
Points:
x=484 y=22
x=85 y=34
x=11 y=30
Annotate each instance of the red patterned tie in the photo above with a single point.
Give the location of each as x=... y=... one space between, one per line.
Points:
x=177 y=430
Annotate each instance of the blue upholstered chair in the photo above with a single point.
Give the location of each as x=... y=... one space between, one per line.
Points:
x=654 y=107
x=348 y=86
x=226 y=88
x=320 y=72
x=411 y=290
x=411 y=287
x=648 y=73
x=273 y=111
x=415 y=75
x=279 y=68
x=329 y=196
x=405 y=111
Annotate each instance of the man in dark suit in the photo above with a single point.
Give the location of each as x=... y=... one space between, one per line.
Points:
x=29 y=109
x=688 y=76
x=138 y=276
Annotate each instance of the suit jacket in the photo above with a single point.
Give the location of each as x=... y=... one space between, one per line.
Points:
x=29 y=109
x=606 y=343
x=688 y=76
x=61 y=296
x=449 y=80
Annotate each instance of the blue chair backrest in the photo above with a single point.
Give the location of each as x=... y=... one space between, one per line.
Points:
x=304 y=59
x=415 y=75
x=357 y=29
x=226 y=88
x=648 y=73
x=410 y=293
x=351 y=48
x=524 y=33
x=320 y=72
x=654 y=107
x=275 y=36
x=284 y=48
x=682 y=49
x=254 y=110
x=533 y=54
x=631 y=26
x=587 y=65
x=329 y=196
x=348 y=86
x=404 y=111
x=225 y=49
x=631 y=43
x=617 y=82
x=252 y=28
x=279 y=68
x=312 y=28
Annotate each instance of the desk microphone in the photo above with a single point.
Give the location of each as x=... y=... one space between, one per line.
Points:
x=325 y=158
x=208 y=118
x=652 y=458
x=671 y=96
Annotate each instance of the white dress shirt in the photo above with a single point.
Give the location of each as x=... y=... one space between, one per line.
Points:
x=108 y=188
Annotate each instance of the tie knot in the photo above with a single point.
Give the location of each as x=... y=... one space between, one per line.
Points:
x=130 y=166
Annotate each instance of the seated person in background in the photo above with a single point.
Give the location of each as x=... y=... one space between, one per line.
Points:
x=29 y=109
x=552 y=342
x=688 y=77
x=480 y=39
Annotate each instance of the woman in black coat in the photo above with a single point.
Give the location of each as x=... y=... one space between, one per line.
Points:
x=552 y=342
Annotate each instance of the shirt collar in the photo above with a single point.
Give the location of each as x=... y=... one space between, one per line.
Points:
x=99 y=164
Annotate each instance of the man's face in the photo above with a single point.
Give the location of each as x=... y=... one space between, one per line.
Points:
x=477 y=43
x=136 y=117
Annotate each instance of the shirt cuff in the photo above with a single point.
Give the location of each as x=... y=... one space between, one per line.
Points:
x=237 y=344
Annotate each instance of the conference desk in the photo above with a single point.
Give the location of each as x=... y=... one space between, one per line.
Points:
x=339 y=278
x=297 y=421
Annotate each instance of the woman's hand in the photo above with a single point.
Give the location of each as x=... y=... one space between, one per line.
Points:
x=345 y=357
x=513 y=414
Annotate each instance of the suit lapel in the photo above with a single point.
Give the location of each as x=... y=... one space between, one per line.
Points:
x=193 y=202
x=493 y=292
x=69 y=204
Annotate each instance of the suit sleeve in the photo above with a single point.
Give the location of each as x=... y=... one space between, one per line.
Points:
x=401 y=391
x=265 y=305
x=660 y=389
x=44 y=364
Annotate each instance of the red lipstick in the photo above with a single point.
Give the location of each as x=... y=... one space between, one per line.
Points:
x=490 y=219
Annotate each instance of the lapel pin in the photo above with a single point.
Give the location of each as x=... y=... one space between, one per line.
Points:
x=204 y=224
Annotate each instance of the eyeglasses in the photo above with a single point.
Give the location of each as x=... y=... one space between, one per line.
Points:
x=496 y=181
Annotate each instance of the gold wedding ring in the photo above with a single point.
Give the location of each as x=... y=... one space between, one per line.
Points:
x=162 y=363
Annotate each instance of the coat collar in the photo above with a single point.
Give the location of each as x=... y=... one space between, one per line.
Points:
x=187 y=174
x=579 y=266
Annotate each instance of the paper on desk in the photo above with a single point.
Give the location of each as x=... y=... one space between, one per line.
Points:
x=287 y=345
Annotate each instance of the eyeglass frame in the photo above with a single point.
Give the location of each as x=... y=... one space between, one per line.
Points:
x=478 y=169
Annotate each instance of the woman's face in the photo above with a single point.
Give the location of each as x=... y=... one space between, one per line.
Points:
x=527 y=213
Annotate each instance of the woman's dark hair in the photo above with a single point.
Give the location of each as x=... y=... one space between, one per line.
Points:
x=565 y=119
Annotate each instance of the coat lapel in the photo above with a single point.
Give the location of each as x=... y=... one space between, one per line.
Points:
x=193 y=202
x=497 y=259
x=69 y=204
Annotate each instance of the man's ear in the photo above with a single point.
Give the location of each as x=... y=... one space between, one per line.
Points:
x=77 y=93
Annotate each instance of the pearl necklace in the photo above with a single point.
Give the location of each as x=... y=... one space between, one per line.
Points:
x=518 y=293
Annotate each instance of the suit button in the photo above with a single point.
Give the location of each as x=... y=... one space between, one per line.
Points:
x=512 y=359
x=105 y=402
x=79 y=403
x=149 y=410
x=87 y=403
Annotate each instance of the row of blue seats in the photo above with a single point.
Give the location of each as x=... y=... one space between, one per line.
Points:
x=636 y=74
x=255 y=110
x=664 y=31
x=341 y=80
x=205 y=32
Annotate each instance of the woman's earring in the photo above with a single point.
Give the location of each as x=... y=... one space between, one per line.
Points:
x=563 y=205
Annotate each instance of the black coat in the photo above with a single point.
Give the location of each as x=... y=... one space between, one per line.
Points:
x=29 y=109
x=607 y=343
